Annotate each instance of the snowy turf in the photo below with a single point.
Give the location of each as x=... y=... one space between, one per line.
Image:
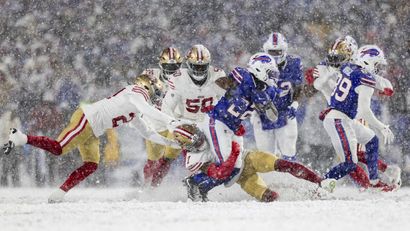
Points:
x=165 y=209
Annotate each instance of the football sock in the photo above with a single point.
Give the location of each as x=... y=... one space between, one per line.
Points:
x=45 y=143
x=79 y=175
x=297 y=170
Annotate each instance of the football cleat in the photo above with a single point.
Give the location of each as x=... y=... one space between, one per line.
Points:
x=57 y=196
x=328 y=185
x=192 y=189
x=394 y=175
x=195 y=193
x=384 y=187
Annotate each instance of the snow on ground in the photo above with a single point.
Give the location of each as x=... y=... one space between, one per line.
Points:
x=166 y=209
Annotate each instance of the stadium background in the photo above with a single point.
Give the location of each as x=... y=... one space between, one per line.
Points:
x=55 y=55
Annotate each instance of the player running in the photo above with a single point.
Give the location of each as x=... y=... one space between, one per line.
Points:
x=193 y=91
x=349 y=100
x=88 y=122
x=280 y=137
x=323 y=78
x=248 y=89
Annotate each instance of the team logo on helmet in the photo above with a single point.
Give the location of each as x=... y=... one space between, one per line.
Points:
x=262 y=58
x=371 y=52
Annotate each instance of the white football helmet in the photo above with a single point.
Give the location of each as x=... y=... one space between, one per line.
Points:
x=264 y=68
x=198 y=59
x=371 y=58
x=276 y=46
x=351 y=42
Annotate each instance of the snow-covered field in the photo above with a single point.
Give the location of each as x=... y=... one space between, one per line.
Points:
x=166 y=209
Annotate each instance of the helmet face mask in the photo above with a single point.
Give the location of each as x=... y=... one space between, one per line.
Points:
x=170 y=60
x=190 y=137
x=199 y=70
x=198 y=60
x=371 y=58
x=152 y=85
x=170 y=68
x=263 y=67
x=339 y=53
x=277 y=47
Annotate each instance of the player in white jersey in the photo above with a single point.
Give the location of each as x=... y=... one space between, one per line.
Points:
x=192 y=92
x=89 y=122
x=325 y=76
x=170 y=61
x=209 y=171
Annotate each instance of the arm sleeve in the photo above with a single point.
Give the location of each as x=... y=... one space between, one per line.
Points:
x=170 y=102
x=363 y=109
x=225 y=169
x=317 y=81
x=148 y=133
x=145 y=108
x=384 y=86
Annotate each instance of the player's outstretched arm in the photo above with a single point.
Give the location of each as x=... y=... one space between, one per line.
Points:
x=148 y=110
x=148 y=133
x=170 y=102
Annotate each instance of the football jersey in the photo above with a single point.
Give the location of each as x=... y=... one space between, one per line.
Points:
x=120 y=108
x=344 y=98
x=187 y=100
x=238 y=102
x=326 y=78
x=291 y=75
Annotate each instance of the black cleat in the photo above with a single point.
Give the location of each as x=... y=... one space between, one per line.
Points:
x=8 y=147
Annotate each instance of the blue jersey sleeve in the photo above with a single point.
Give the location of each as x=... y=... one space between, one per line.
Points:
x=237 y=74
x=292 y=71
x=367 y=80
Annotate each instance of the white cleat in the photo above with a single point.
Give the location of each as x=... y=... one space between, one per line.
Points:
x=17 y=137
x=328 y=185
x=393 y=174
x=57 y=196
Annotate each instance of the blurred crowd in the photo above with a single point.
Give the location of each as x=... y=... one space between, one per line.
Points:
x=55 y=55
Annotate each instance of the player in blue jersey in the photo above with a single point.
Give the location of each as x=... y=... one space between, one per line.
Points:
x=324 y=77
x=280 y=137
x=250 y=89
x=349 y=100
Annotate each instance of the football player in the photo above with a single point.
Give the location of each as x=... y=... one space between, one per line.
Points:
x=350 y=99
x=170 y=61
x=90 y=121
x=251 y=88
x=192 y=93
x=208 y=172
x=280 y=137
x=323 y=78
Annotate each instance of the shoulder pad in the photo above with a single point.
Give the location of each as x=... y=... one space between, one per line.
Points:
x=239 y=73
x=293 y=58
